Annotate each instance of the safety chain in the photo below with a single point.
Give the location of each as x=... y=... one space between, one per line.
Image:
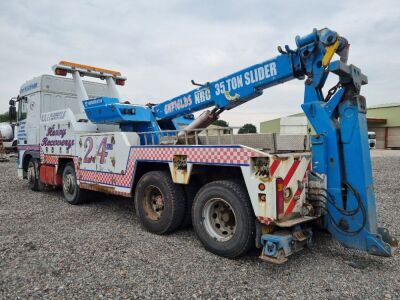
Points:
x=332 y=91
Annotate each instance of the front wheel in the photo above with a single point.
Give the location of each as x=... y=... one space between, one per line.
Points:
x=73 y=194
x=223 y=218
x=33 y=175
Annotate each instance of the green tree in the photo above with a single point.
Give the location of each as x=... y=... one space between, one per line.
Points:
x=247 y=128
x=220 y=123
x=4 y=117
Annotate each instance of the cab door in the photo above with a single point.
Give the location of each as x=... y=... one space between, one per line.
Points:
x=33 y=119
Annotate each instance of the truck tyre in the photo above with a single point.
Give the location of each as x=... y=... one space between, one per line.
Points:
x=33 y=175
x=159 y=203
x=223 y=218
x=73 y=194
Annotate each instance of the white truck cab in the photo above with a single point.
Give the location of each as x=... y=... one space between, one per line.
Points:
x=48 y=93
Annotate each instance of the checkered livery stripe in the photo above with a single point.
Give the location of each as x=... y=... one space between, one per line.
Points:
x=50 y=159
x=207 y=155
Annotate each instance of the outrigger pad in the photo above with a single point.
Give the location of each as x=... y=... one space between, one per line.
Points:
x=281 y=244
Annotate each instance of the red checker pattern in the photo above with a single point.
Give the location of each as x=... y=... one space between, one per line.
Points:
x=218 y=155
x=50 y=159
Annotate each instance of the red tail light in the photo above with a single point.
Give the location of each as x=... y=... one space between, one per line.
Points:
x=280 y=204
x=120 y=82
x=60 y=72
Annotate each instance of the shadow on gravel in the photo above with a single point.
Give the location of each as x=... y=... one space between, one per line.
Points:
x=325 y=248
x=99 y=200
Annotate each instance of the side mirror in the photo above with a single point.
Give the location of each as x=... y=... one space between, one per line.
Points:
x=12 y=102
x=12 y=113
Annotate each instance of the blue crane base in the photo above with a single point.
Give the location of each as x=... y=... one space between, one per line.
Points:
x=340 y=151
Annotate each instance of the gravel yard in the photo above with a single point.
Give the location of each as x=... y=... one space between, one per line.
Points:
x=50 y=249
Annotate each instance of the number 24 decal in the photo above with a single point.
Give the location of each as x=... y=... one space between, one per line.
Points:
x=101 y=152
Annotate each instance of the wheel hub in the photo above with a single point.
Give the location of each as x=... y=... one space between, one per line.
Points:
x=153 y=203
x=31 y=174
x=219 y=219
x=69 y=184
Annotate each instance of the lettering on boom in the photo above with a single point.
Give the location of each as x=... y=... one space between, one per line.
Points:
x=230 y=84
x=178 y=104
x=200 y=96
x=247 y=78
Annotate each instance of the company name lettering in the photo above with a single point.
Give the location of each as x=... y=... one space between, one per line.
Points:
x=93 y=102
x=53 y=116
x=28 y=87
x=226 y=85
x=60 y=133
x=178 y=104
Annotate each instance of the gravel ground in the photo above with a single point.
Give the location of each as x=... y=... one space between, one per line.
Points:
x=49 y=249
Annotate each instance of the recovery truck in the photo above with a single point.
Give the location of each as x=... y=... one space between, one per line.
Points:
x=236 y=195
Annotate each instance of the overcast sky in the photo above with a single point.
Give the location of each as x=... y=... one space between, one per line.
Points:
x=161 y=45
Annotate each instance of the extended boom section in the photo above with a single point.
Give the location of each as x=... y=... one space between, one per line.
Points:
x=233 y=90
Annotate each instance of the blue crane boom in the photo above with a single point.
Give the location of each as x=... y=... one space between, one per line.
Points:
x=232 y=90
x=227 y=92
x=224 y=94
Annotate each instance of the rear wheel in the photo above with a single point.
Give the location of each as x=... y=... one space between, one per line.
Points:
x=33 y=175
x=160 y=204
x=73 y=194
x=223 y=218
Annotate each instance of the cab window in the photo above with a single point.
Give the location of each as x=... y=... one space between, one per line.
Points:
x=22 y=109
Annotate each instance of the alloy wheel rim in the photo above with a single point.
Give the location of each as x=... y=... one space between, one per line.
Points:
x=219 y=219
x=69 y=183
x=31 y=174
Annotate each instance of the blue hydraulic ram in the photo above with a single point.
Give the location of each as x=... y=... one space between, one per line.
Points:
x=341 y=174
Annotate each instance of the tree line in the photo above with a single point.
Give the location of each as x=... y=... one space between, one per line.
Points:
x=4 y=117
x=246 y=128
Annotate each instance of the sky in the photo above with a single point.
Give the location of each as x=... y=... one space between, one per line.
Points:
x=161 y=45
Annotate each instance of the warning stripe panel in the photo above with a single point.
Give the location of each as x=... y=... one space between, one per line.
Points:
x=297 y=194
x=274 y=166
x=292 y=202
x=291 y=171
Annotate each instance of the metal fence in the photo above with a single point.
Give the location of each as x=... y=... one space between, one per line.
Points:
x=269 y=142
